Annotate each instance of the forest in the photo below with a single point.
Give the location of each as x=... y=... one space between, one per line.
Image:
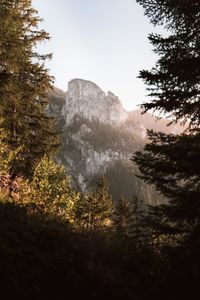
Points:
x=59 y=243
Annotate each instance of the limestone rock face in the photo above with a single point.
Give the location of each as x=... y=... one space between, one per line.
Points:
x=86 y=99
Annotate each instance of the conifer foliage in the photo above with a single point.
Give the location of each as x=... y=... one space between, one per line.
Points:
x=171 y=162
x=93 y=210
x=24 y=83
x=174 y=82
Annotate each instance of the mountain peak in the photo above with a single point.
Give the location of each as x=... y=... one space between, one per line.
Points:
x=82 y=83
x=85 y=98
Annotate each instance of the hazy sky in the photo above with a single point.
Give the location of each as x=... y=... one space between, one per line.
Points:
x=104 y=41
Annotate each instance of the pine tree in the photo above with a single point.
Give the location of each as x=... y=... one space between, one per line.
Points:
x=174 y=81
x=122 y=217
x=24 y=85
x=128 y=223
x=93 y=211
x=172 y=162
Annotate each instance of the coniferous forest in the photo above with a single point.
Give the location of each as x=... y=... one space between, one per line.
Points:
x=59 y=243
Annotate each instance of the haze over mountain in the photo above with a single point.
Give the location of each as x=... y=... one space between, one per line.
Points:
x=99 y=138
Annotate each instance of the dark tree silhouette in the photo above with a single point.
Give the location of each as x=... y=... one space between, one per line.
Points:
x=172 y=162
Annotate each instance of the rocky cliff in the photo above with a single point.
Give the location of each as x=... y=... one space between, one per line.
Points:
x=86 y=99
x=99 y=138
